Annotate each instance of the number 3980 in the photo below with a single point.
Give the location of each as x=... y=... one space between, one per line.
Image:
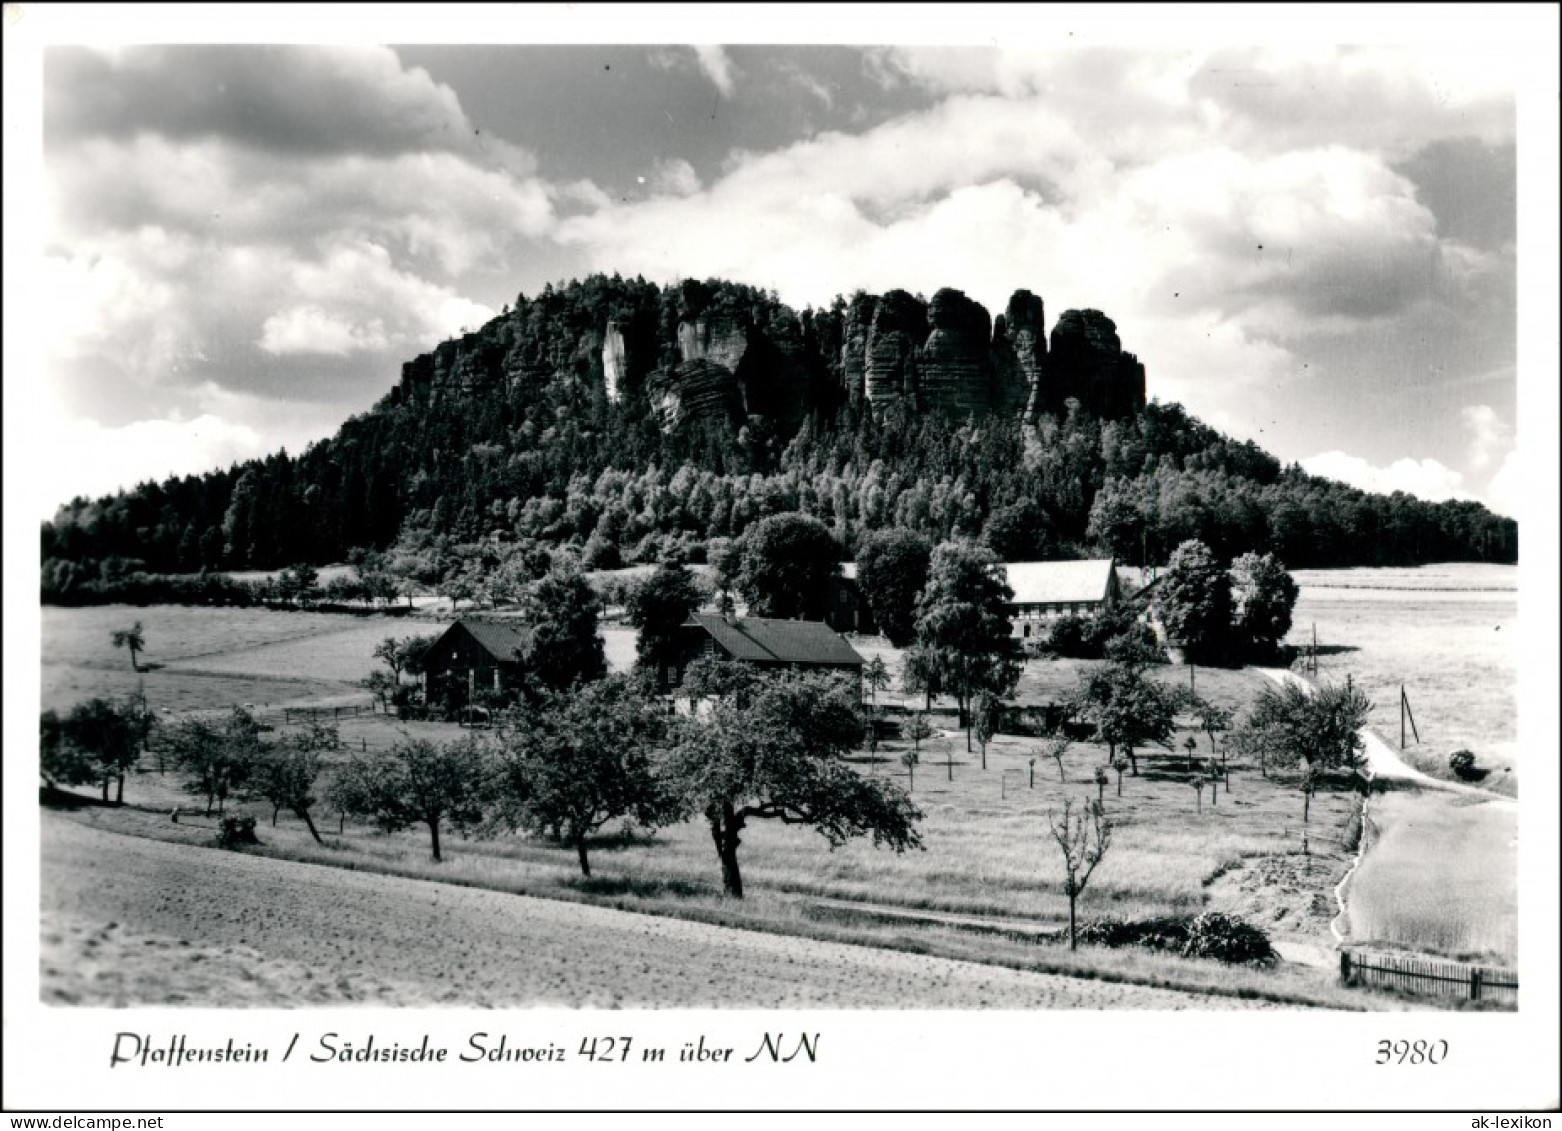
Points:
x=1412 y=1052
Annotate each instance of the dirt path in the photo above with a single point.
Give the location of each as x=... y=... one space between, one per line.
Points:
x=1422 y=817
x=1384 y=764
x=127 y=921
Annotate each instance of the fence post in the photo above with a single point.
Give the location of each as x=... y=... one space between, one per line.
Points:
x=1475 y=984
x=1345 y=967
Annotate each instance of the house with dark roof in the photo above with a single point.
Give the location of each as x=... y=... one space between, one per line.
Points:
x=1045 y=591
x=482 y=654
x=775 y=644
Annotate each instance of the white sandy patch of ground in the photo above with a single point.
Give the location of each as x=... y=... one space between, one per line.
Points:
x=210 y=928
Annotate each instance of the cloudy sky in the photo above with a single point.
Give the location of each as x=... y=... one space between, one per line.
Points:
x=1309 y=245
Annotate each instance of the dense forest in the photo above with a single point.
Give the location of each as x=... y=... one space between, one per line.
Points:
x=636 y=423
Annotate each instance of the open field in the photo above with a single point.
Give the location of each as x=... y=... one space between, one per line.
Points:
x=185 y=926
x=1466 y=907
x=987 y=887
x=214 y=659
x=1447 y=633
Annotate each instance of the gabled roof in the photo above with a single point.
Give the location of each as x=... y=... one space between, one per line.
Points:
x=1041 y=583
x=503 y=640
x=762 y=640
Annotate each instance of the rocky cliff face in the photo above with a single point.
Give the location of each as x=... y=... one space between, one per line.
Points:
x=691 y=390
x=720 y=351
x=721 y=341
x=1020 y=355
x=1089 y=365
x=854 y=346
x=615 y=359
x=955 y=371
x=898 y=329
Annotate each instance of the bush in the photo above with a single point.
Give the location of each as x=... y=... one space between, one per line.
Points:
x=1462 y=763
x=1210 y=935
x=1067 y=639
x=237 y=831
x=1228 y=939
x=1162 y=933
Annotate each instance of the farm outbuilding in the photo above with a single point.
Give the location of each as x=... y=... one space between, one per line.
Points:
x=484 y=654
x=776 y=644
x=846 y=610
x=1044 y=591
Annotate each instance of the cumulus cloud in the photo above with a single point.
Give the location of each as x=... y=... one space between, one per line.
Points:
x=104 y=459
x=1489 y=435
x=1426 y=479
x=1238 y=229
x=312 y=206
x=279 y=99
x=675 y=177
x=1506 y=487
x=710 y=60
x=717 y=65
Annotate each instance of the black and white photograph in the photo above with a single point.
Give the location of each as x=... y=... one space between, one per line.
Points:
x=1033 y=529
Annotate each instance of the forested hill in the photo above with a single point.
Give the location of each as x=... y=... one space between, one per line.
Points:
x=638 y=423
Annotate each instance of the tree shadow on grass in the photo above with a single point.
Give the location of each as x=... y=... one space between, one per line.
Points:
x=53 y=797
x=639 y=887
x=624 y=840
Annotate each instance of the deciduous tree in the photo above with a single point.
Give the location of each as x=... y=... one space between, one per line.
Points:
x=1128 y=710
x=286 y=771
x=581 y=759
x=1083 y=838
x=562 y=610
x=133 y=638
x=989 y=716
x=657 y=607
x=773 y=748
x=785 y=565
x=963 y=634
x=892 y=570
x=97 y=741
x=1194 y=602
x=418 y=782
x=1312 y=732
x=217 y=756
x=1263 y=596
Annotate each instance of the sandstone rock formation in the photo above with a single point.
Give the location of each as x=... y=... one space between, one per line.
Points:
x=615 y=360
x=720 y=351
x=955 y=372
x=692 y=390
x=897 y=332
x=1020 y=355
x=1088 y=364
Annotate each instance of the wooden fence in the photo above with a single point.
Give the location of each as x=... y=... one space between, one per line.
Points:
x=1419 y=976
x=292 y=715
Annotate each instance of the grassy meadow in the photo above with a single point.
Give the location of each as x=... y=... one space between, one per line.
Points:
x=988 y=884
x=1447 y=633
x=200 y=659
x=989 y=877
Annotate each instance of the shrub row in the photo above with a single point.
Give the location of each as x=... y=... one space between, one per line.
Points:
x=1211 y=934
